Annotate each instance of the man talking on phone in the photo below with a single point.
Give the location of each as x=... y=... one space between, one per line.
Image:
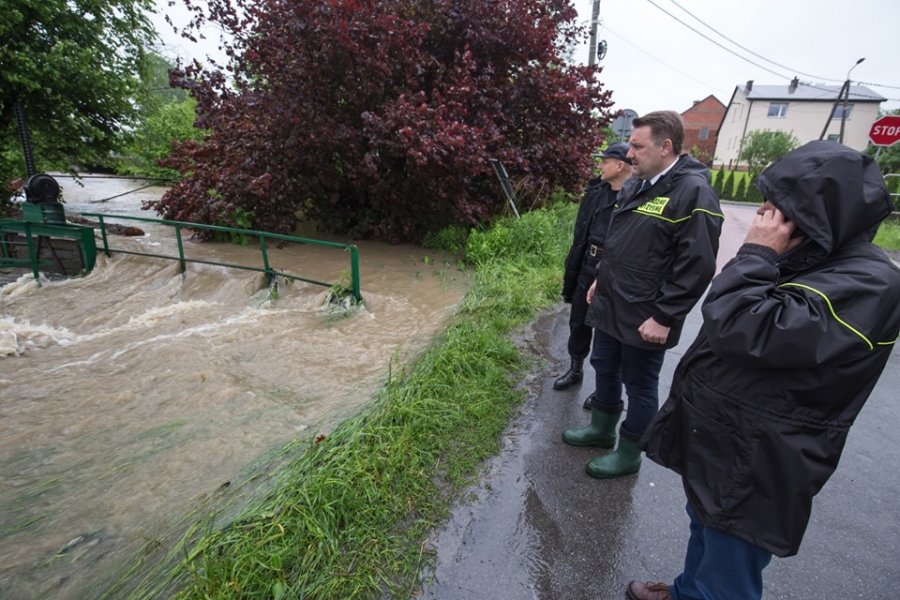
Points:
x=797 y=328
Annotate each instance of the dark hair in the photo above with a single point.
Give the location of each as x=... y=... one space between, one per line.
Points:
x=663 y=124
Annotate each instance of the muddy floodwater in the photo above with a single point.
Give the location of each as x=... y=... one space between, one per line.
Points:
x=130 y=395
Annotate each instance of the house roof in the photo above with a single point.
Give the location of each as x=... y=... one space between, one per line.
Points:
x=811 y=93
x=699 y=102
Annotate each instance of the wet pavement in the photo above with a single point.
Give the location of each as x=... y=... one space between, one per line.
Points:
x=538 y=527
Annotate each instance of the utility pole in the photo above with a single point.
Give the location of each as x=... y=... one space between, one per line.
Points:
x=846 y=97
x=845 y=94
x=592 y=48
x=834 y=106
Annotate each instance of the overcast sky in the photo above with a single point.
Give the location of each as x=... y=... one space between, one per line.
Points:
x=654 y=62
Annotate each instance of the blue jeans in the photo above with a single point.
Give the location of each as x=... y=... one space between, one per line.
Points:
x=718 y=566
x=638 y=369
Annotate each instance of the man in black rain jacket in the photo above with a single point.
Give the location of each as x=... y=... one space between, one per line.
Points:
x=587 y=249
x=659 y=258
x=796 y=331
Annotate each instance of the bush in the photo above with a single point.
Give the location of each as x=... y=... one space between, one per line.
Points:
x=762 y=147
x=752 y=194
x=719 y=182
x=740 y=195
x=728 y=187
x=534 y=235
x=377 y=119
x=449 y=239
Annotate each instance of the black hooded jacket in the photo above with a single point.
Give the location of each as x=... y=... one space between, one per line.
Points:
x=660 y=254
x=790 y=349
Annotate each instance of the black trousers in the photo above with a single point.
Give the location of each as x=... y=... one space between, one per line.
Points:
x=579 y=333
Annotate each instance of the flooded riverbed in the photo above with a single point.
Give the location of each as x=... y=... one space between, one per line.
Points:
x=129 y=395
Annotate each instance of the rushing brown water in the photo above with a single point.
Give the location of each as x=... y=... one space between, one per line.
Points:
x=129 y=395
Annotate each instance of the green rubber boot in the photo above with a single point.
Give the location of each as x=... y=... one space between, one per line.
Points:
x=600 y=433
x=624 y=460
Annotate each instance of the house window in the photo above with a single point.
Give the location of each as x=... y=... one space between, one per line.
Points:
x=704 y=133
x=839 y=111
x=778 y=109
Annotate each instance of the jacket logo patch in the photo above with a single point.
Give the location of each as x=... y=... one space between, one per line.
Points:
x=654 y=206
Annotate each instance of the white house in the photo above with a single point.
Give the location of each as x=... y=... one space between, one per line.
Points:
x=799 y=109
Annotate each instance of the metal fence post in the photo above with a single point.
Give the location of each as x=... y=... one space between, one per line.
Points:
x=180 y=248
x=354 y=272
x=103 y=234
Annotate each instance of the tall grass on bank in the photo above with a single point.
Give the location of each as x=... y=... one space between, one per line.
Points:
x=350 y=512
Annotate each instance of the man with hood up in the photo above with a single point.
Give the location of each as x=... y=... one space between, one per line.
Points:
x=797 y=328
x=659 y=257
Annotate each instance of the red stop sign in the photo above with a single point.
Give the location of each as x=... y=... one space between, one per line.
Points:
x=885 y=131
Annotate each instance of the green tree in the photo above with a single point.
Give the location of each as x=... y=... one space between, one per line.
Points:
x=73 y=66
x=888 y=159
x=719 y=182
x=762 y=147
x=740 y=195
x=728 y=187
x=165 y=115
x=153 y=140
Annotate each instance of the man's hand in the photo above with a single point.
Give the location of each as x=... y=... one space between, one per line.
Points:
x=590 y=292
x=652 y=332
x=770 y=228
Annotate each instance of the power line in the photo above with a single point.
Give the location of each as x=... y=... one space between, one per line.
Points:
x=856 y=95
x=722 y=35
x=729 y=50
x=893 y=87
x=659 y=60
x=768 y=60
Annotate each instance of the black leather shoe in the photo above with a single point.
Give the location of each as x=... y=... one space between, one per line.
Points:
x=587 y=402
x=571 y=377
x=567 y=380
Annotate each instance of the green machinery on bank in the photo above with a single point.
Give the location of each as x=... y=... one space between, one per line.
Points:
x=41 y=239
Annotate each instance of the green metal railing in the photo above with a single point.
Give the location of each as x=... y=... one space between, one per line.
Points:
x=894 y=196
x=262 y=236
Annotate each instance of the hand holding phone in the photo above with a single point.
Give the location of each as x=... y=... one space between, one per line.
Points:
x=772 y=229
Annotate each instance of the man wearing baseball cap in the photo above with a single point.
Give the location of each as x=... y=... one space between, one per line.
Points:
x=587 y=248
x=660 y=255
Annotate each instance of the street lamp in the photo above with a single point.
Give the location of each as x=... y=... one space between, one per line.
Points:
x=846 y=96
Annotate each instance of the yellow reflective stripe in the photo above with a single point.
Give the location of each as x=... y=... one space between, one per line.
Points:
x=831 y=309
x=682 y=219
x=890 y=343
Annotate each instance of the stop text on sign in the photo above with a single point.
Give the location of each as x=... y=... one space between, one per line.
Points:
x=889 y=130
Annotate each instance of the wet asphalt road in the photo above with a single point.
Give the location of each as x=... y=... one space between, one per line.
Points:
x=538 y=527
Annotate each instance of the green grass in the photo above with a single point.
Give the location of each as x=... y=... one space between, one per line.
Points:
x=888 y=236
x=348 y=514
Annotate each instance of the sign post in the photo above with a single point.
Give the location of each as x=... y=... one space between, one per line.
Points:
x=621 y=125
x=885 y=131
